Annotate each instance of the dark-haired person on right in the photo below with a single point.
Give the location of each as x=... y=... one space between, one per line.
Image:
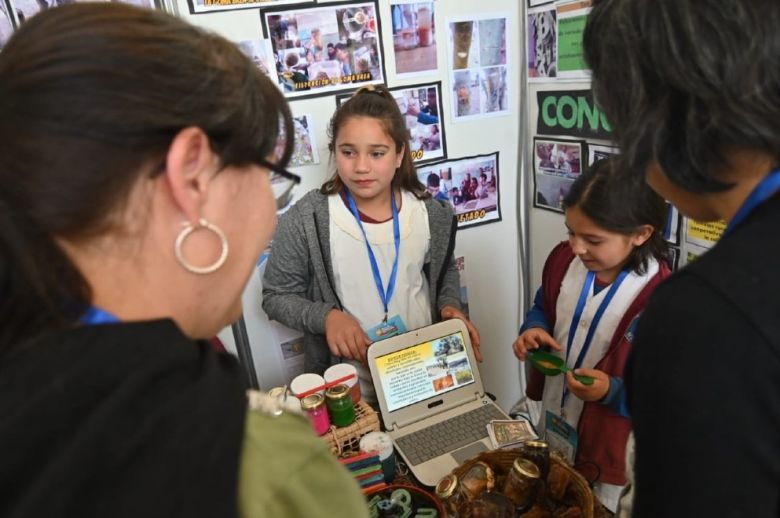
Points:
x=692 y=90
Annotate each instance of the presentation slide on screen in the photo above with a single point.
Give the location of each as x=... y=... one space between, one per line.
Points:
x=424 y=370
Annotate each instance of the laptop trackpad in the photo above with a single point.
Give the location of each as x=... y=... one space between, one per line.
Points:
x=469 y=451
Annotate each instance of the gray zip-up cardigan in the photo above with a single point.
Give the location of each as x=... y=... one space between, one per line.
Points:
x=298 y=287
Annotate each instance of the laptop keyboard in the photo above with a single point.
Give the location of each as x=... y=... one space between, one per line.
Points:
x=449 y=435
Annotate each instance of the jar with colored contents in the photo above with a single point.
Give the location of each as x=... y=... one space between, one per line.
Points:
x=340 y=406
x=314 y=406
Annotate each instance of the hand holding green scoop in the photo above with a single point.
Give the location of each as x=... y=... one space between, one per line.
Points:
x=551 y=365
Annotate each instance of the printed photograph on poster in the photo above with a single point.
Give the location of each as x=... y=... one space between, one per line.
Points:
x=478 y=67
x=210 y=6
x=292 y=358
x=470 y=185
x=542 y=44
x=6 y=22
x=305 y=150
x=598 y=152
x=460 y=265
x=571 y=18
x=414 y=37
x=557 y=163
x=703 y=234
x=421 y=107
x=673 y=222
x=261 y=53
x=322 y=50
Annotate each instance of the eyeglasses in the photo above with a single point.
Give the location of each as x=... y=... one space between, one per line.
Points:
x=282 y=182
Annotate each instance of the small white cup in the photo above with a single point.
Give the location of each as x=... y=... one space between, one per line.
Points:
x=340 y=370
x=381 y=443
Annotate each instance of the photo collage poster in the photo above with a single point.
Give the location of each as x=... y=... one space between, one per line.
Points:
x=13 y=13
x=421 y=106
x=479 y=72
x=414 y=37
x=323 y=50
x=470 y=185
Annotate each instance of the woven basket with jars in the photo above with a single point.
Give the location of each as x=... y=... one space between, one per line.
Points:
x=564 y=493
x=346 y=440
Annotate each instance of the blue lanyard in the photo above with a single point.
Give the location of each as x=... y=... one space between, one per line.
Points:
x=384 y=295
x=96 y=316
x=763 y=191
x=575 y=321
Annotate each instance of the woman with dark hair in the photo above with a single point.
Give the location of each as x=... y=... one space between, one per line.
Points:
x=692 y=89
x=136 y=165
x=594 y=287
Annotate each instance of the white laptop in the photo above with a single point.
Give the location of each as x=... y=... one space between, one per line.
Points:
x=431 y=397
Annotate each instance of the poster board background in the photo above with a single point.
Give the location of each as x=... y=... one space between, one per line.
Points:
x=495 y=288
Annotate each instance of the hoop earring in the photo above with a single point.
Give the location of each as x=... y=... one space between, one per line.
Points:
x=188 y=229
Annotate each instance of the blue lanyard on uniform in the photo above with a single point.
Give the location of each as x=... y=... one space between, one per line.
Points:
x=575 y=321
x=96 y=316
x=384 y=295
x=765 y=189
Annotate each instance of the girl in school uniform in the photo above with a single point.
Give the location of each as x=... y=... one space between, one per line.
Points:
x=594 y=287
x=369 y=254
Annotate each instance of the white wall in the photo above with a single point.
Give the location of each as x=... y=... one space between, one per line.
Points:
x=491 y=251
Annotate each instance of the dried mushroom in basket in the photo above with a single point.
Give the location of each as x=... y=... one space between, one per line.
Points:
x=478 y=479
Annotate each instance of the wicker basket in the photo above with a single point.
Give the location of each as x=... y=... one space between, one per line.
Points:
x=347 y=439
x=578 y=492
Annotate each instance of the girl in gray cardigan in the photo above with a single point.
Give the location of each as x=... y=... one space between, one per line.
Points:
x=368 y=251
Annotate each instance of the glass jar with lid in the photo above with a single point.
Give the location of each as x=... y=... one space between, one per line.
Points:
x=521 y=483
x=450 y=493
x=340 y=406
x=314 y=406
x=538 y=452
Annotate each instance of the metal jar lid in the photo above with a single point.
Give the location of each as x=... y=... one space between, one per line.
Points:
x=277 y=392
x=446 y=486
x=338 y=392
x=539 y=445
x=312 y=401
x=526 y=468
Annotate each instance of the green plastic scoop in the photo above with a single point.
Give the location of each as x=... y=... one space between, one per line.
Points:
x=551 y=365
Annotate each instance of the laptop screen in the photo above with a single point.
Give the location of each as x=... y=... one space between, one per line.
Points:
x=424 y=370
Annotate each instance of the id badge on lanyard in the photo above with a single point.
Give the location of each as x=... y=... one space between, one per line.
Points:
x=388 y=326
x=560 y=435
